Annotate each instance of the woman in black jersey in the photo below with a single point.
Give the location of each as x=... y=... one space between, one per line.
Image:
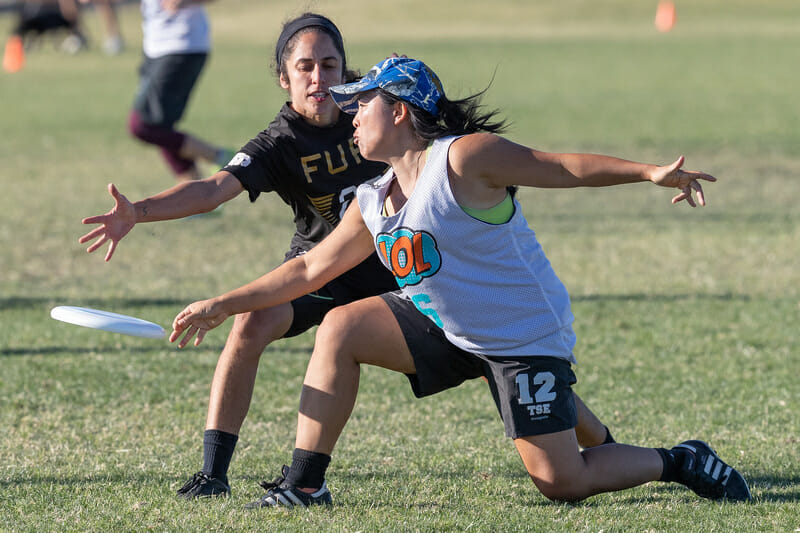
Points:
x=308 y=157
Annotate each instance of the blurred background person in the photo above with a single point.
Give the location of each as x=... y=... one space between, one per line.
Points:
x=38 y=18
x=176 y=46
x=113 y=43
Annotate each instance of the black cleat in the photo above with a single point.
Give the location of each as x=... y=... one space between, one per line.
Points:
x=281 y=494
x=708 y=476
x=203 y=486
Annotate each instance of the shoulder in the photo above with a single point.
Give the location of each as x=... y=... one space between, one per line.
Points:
x=473 y=151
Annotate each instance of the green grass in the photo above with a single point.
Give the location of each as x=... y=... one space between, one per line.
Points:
x=686 y=319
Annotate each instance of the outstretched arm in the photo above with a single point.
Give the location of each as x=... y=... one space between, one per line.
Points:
x=347 y=246
x=182 y=200
x=490 y=161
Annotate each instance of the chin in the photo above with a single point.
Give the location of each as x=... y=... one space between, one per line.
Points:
x=364 y=152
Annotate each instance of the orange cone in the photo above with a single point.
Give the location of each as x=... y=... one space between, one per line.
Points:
x=14 y=56
x=665 y=16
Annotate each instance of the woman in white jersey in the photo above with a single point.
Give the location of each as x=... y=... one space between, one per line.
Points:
x=443 y=219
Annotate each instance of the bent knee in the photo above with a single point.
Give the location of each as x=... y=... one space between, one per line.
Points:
x=562 y=491
x=264 y=325
x=338 y=327
x=137 y=127
x=165 y=137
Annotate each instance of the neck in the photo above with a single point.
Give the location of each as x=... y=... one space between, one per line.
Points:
x=408 y=165
x=320 y=120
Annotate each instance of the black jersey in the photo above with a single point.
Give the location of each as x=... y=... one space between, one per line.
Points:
x=316 y=172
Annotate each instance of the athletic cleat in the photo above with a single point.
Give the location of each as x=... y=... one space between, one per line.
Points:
x=708 y=476
x=203 y=486
x=280 y=494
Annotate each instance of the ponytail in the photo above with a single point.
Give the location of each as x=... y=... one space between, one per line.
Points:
x=455 y=117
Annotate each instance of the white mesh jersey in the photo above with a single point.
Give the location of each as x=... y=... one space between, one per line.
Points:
x=185 y=31
x=488 y=286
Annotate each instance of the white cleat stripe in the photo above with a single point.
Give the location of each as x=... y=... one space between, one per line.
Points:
x=709 y=464
x=717 y=470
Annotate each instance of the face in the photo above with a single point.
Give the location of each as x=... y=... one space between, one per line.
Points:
x=312 y=68
x=373 y=123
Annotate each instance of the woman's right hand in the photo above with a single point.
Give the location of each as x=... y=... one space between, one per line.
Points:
x=114 y=225
x=197 y=318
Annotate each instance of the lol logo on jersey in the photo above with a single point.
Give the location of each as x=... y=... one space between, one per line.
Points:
x=412 y=255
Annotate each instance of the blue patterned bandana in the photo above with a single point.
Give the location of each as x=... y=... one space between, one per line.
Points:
x=408 y=79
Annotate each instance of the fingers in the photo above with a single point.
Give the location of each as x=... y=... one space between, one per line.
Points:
x=111 y=247
x=698 y=191
x=97 y=219
x=183 y=323
x=689 y=184
x=113 y=191
x=92 y=234
x=201 y=334
x=678 y=163
x=686 y=194
x=703 y=176
x=97 y=244
x=186 y=338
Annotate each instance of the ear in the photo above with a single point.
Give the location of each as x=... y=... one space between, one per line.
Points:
x=284 y=82
x=400 y=112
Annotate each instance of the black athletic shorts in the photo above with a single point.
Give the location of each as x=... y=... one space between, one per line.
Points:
x=370 y=278
x=533 y=394
x=165 y=84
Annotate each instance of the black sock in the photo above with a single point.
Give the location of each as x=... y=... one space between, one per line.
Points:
x=609 y=438
x=308 y=469
x=218 y=449
x=673 y=460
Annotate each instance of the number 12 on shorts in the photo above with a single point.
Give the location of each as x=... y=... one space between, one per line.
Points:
x=539 y=403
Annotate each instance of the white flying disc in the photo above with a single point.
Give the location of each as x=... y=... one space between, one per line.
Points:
x=116 y=323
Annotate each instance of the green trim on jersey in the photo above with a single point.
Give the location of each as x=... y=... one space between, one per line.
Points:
x=499 y=214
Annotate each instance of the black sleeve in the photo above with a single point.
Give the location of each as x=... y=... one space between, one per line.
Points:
x=258 y=164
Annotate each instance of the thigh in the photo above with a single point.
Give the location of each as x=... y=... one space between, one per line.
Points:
x=261 y=326
x=439 y=364
x=368 y=332
x=533 y=394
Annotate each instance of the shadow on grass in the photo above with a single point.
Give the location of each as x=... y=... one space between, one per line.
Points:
x=778 y=489
x=71 y=350
x=89 y=350
x=765 y=488
x=32 y=302
x=647 y=297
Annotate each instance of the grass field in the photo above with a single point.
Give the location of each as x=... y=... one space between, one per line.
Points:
x=686 y=319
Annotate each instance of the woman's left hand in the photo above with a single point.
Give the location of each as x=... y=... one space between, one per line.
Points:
x=685 y=180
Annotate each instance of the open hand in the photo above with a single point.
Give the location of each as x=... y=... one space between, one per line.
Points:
x=197 y=318
x=685 y=180
x=114 y=225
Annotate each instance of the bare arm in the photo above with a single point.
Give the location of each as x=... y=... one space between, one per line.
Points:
x=486 y=164
x=182 y=200
x=347 y=246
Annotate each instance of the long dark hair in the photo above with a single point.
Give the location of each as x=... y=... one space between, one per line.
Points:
x=306 y=23
x=456 y=117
